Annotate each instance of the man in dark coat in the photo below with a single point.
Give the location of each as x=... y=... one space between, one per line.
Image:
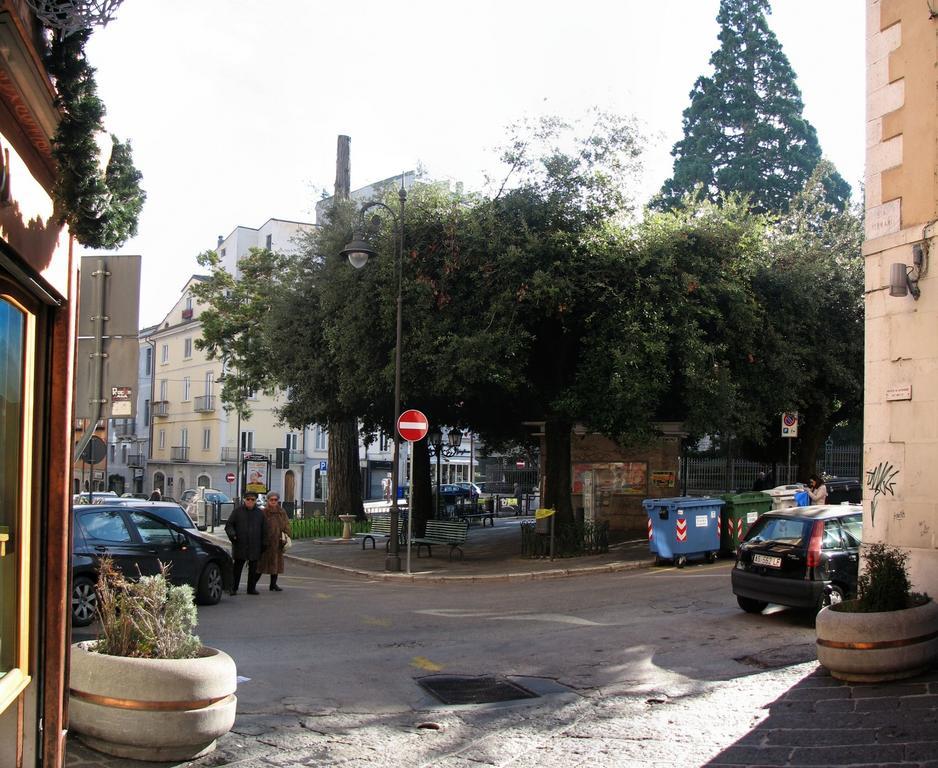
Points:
x=247 y=531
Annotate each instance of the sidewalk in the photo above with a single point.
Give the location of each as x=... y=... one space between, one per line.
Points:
x=490 y=552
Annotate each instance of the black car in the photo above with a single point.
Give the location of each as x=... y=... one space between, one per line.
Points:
x=802 y=557
x=138 y=539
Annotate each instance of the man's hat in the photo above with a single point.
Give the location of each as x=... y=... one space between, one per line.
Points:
x=250 y=495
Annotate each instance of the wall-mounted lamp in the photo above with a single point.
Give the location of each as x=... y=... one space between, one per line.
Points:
x=903 y=280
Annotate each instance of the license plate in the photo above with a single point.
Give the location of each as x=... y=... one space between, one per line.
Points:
x=772 y=562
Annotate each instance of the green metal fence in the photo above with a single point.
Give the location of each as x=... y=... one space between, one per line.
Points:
x=324 y=527
x=569 y=540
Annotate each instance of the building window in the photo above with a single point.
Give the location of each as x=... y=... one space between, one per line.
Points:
x=146 y=413
x=164 y=354
x=164 y=386
x=321 y=441
x=222 y=253
x=210 y=383
x=124 y=454
x=162 y=439
x=252 y=395
x=187 y=347
x=382 y=441
x=184 y=438
x=247 y=441
x=113 y=453
x=186 y=387
x=292 y=440
x=268 y=243
x=206 y=439
x=147 y=360
x=189 y=303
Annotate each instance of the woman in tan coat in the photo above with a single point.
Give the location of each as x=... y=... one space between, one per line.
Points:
x=278 y=527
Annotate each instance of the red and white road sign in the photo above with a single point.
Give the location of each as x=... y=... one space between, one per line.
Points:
x=412 y=426
x=230 y=477
x=650 y=530
x=681 y=529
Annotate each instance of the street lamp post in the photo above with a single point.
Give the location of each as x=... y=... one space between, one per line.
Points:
x=358 y=251
x=435 y=439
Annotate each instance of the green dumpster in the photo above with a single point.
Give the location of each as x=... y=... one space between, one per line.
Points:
x=739 y=512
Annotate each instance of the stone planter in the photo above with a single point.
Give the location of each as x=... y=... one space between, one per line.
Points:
x=151 y=709
x=875 y=647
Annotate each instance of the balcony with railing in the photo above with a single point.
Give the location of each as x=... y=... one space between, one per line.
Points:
x=204 y=404
x=297 y=457
x=229 y=454
x=161 y=408
x=187 y=314
x=136 y=460
x=179 y=453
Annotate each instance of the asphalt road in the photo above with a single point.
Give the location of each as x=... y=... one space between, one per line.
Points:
x=331 y=666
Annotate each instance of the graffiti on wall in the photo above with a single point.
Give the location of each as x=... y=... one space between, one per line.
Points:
x=880 y=480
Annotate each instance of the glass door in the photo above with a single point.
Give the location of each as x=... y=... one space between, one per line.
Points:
x=17 y=339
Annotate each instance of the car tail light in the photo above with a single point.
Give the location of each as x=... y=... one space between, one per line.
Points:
x=814 y=544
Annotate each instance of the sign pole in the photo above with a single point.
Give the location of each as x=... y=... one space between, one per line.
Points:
x=789 y=460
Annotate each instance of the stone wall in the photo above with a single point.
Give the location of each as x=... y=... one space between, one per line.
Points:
x=623 y=478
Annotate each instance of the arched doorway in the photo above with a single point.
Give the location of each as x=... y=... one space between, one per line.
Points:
x=204 y=480
x=289 y=490
x=159 y=481
x=180 y=486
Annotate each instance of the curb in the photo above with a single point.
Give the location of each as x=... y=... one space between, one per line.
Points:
x=554 y=573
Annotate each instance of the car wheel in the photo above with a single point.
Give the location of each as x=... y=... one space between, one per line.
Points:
x=749 y=605
x=84 y=601
x=711 y=557
x=832 y=596
x=210 y=585
x=680 y=561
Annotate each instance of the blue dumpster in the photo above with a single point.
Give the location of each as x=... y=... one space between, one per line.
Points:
x=684 y=527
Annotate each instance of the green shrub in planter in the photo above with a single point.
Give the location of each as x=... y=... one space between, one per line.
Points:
x=884 y=583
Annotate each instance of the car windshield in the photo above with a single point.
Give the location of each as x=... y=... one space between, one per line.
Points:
x=784 y=530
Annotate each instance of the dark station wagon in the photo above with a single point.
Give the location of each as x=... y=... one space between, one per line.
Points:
x=138 y=538
x=802 y=557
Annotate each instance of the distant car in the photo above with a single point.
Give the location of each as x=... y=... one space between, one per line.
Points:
x=455 y=489
x=473 y=489
x=85 y=497
x=141 y=496
x=210 y=494
x=802 y=557
x=138 y=539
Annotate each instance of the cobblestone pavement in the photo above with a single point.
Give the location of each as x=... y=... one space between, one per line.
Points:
x=796 y=716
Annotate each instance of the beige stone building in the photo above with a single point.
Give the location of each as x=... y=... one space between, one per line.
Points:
x=900 y=419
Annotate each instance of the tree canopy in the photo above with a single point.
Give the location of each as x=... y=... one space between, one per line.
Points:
x=745 y=130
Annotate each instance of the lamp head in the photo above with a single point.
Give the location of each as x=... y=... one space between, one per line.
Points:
x=435 y=437
x=455 y=438
x=358 y=252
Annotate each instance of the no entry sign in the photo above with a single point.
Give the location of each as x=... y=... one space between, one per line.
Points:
x=230 y=477
x=412 y=426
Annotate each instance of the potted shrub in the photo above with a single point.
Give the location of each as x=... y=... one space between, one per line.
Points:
x=888 y=632
x=147 y=688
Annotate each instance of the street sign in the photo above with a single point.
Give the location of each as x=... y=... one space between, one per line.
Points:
x=790 y=424
x=230 y=477
x=95 y=451
x=412 y=426
x=322 y=465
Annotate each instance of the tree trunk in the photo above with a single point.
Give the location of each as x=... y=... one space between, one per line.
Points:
x=345 y=481
x=421 y=489
x=812 y=434
x=557 y=487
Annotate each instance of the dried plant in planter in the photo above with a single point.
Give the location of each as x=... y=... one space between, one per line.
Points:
x=145 y=618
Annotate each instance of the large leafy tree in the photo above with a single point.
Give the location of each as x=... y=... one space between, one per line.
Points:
x=745 y=130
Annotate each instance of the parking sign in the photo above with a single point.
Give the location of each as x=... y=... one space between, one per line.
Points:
x=790 y=424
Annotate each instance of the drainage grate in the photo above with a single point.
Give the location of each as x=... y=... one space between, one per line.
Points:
x=473 y=690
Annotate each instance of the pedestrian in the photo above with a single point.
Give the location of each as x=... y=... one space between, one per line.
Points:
x=278 y=529
x=157 y=495
x=761 y=482
x=386 y=487
x=817 y=490
x=247 y=531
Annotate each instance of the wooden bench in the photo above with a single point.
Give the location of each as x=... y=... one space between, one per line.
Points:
x=380 y=526
x=452 y=533
x=483 y=516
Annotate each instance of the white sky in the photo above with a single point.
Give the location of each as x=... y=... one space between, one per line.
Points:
x=233 y=106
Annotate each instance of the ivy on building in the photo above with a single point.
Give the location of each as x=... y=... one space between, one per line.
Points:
x=101 y=211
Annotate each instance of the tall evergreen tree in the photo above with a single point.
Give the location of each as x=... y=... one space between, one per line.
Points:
x=744 y=130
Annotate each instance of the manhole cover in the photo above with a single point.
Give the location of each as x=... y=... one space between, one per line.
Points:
x=473 y=690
